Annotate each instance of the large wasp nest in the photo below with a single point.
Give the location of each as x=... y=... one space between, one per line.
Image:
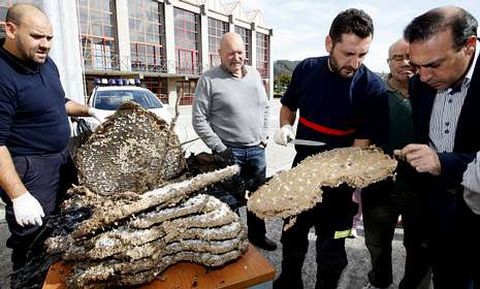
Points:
x=132 y=151
x=299 y=189
x=133 y=215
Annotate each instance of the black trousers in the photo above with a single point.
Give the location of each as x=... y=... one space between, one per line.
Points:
x=332 y=220
x=469 y=224
x=382 y=203
x=450 y=239
x=47 y=178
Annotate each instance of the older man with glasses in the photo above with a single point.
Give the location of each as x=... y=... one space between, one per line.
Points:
x=384 y=202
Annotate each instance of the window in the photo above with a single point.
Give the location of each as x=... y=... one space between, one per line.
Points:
x=263 y=57
x=4 y=4
x=246 y=35
x=186 y=91
x=98 y=34
x=147 y=35
x=187 y=30
x=112 y=99
x=216 y=29
x=158 y=86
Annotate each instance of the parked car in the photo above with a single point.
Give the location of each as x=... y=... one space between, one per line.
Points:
x=106 y=99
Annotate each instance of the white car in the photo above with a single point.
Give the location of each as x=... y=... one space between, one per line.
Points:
x=106 y=100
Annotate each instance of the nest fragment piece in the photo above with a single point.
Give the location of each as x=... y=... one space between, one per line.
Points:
x=211 y=235
x=164 y=196
x=133 y=150
x=299 y=189
x=109 y=278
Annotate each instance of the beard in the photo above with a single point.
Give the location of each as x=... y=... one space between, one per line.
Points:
x=343 y=71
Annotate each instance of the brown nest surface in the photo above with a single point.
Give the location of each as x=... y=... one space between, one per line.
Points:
x=299 y=189
x=133 y=150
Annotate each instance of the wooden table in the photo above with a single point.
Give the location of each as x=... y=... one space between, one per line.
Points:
x=249 y=270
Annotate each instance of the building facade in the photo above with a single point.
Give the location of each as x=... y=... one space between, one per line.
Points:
x=168 y=44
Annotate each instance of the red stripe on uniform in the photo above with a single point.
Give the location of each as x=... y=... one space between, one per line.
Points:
x=324 y=129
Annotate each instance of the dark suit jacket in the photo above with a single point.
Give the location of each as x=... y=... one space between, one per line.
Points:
x=467 y=139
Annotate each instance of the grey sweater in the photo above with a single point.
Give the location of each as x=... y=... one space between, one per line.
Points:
x=230 y=111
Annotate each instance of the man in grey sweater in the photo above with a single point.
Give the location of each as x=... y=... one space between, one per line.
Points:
x=230 y=114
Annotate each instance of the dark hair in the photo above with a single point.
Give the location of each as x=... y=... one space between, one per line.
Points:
x=352 y=20
x=424 y=27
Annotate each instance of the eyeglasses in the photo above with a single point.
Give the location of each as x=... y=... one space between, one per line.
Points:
x=400 y=57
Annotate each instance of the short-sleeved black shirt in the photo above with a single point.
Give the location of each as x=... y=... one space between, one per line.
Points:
x=33 y=118
x=332 y=109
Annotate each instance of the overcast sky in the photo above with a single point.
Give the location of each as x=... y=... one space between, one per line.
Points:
x=300 y=26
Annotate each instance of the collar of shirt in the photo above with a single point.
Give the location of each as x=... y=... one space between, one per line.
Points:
x=388 y=85
x=387 y=82
x=17 y=63
x=390 y=88
x=244 y=70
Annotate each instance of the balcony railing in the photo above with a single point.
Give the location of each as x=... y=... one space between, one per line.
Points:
x=160 y=66
x=114 y=63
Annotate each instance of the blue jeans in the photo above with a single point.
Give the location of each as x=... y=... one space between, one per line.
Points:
x=253 y=165
x=253 y=171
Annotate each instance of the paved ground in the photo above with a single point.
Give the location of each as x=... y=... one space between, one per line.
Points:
x=278 y=158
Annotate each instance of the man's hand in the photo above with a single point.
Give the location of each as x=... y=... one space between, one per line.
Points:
x=422 y=157
x=264 y=142
x=283 y=135
x=27 y=210
x=224 y=158
x=93 y=113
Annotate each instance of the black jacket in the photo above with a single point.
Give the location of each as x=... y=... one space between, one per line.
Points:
x=467 y=140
